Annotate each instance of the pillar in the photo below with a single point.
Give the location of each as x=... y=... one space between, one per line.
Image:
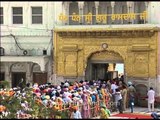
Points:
x=129 y=5
x=66 y=12
x=146 y=5
x=26 y=9
x=132 y=11
x=8 y=74
x=80 y=7
x=112 y=5
x=96 y=6
x=28 y=73
x=58 y=10
x=49 y=70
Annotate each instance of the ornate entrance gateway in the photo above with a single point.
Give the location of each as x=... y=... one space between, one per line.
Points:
x=76 y=48
x=98 y=65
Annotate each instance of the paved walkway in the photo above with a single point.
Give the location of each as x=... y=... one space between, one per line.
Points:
x=140 y=110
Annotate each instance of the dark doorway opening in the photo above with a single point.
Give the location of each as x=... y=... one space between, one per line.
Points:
x=18 y=79
x=2 y=76
x=104 y=65
x=104 y=71
x=101 y=71
x=40 y=78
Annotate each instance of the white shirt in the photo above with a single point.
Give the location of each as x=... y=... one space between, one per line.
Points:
x=114 y=87
x=151 y=96
x=76 y=115
x=118 y=96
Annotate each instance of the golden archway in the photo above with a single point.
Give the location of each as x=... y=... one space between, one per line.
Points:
x=106 y=55
x=99 y=61
x=135 y=47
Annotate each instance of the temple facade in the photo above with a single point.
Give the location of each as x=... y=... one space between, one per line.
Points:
x=91 y=36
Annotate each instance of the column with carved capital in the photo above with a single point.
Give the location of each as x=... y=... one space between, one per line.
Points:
x=129 y=6
x=80 y=7
x=132 y=11
x=96 y=6
x=112 y=5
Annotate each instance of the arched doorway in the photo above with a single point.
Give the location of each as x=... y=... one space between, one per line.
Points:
x=38 y=76
x=18 y=74
x=102 y=65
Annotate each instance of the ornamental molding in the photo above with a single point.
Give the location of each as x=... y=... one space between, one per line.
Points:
x=109 y=33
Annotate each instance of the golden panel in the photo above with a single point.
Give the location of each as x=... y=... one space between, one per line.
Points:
x=136 y=47
x=70 y=69
x=70 y=63
x=141 y=64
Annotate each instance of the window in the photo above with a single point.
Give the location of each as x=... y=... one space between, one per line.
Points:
x=37 y=15
x=17 y=15
x=1 y=15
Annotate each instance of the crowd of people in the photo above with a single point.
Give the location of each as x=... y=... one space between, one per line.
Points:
x=83 y=99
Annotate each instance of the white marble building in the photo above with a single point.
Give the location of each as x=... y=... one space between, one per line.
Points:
x=26 y=38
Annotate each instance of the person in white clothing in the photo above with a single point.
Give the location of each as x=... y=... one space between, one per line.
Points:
x=76 y=113
x=119 y=100
x=151 y=99
x=113 y=89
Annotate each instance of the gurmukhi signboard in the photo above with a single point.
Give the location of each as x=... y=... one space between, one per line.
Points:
x=103 y=17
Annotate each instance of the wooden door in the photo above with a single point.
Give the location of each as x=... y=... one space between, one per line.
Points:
x=40 y=78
